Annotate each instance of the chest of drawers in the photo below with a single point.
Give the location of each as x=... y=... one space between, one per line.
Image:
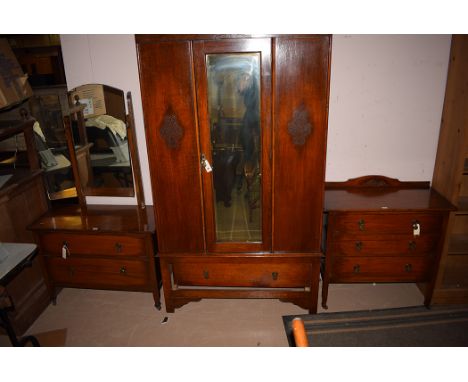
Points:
x=383 y=233
x=101 y=247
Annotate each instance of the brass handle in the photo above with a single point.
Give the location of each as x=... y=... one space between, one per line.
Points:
x=206 y=275
x=361 y=224
x=118 y=247
x=357 y=268
x=408 y=267
x=123 y=270
x=274 y=275
x=412 y=245
x=358 y=245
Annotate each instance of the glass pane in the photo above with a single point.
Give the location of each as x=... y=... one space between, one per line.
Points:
x=234 y=111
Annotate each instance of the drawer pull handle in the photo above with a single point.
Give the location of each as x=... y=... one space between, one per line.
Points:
x=361 y=224
x=412 y=245
x=408 y=267
x=357 y=268
x=358 y=245
x=274 y=275
x=71 y=271
x=123 y=270
x=65 y=250
x=206 y=275
x=118 y=247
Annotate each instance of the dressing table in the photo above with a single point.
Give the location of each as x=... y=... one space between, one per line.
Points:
x=99 y=246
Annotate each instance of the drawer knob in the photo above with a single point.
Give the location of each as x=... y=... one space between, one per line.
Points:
x=361 y=225
x=358 y=245
x=123 y=270
x=357 y=268
x=412 y=245
x=118 y=247
x=274 y=275
x=408 y=267
x=206 y=275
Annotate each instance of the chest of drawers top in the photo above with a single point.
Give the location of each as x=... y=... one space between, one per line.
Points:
x=111 y=219
x=385 y=200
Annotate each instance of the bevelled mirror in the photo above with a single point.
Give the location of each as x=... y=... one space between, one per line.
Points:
x=103 y=141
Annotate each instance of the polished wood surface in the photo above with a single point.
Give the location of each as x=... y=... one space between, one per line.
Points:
x=450 y=178
x=386 y=200
x=294 y=82
x=299 y=333
x=368 y=243
x=201 y=49
x=301 y=80
x=167 y=89
x=99 y=246
x=96 y=219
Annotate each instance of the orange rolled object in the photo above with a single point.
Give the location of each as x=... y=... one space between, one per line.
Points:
x=300 y=337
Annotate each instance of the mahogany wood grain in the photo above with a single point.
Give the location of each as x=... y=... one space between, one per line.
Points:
x=109 y=247
x=368 y=243
x=167 y=89
x=301 y=84
x=450 y=176
x=201 y=49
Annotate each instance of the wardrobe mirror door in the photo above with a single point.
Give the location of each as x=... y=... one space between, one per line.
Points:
x=233 y=86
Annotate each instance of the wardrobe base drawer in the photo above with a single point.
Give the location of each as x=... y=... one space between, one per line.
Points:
x=98 y=273
x=255 y=273
x=381 y=269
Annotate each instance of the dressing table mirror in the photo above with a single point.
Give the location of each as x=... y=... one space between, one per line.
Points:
x=108 y=169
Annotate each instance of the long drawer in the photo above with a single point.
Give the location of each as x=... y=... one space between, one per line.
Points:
x=380 y=269
x=96 y=273
x=347 y=226
x=402 y=245
x=88 y=244
x=244 y=274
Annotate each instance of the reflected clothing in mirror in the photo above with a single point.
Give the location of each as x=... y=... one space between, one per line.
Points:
x=234 y=110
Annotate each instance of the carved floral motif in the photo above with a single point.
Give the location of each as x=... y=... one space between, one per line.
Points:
x=299 y=127
x=170 y=130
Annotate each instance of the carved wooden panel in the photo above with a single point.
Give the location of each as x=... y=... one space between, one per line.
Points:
x=299 y=127
x=170 y=130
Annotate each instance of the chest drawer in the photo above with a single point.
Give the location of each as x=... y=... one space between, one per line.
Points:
x=348 y=226
x=98 y=273
x=399 y=245
x=88 y=244
x=281 y=275
x=382 y=269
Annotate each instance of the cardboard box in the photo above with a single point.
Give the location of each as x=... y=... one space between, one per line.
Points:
x=100 y=99
x=14 y=85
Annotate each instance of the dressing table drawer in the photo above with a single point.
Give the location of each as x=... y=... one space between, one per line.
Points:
x=89 y=244
x=98 y=273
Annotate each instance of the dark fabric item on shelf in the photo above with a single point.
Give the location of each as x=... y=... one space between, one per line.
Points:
x=400 y=327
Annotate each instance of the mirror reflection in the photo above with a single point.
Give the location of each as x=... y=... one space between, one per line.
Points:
x=234 y=111
x=108 y=170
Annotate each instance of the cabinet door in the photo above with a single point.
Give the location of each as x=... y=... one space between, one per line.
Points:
x=167 y=89
x=233 y=96
x=300 y=132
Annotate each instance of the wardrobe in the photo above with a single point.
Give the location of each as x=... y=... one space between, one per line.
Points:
x=236 y=130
